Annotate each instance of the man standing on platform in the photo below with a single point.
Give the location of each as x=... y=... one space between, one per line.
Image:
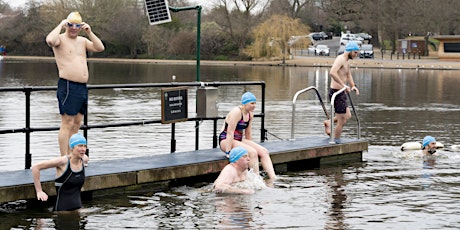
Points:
x=70 y=53
x=340 y=77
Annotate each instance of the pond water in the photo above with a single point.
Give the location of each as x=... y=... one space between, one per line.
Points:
x=390 y=189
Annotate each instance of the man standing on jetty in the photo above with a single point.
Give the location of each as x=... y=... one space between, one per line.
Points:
x=340 y=77
x=70 y=53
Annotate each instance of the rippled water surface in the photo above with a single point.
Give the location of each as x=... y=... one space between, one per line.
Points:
x=389 y=190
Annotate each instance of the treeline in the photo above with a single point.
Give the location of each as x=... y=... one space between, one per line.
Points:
x=230 y=29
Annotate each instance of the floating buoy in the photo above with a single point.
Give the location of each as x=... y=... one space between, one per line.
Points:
x=417 y=146
x=411 y=146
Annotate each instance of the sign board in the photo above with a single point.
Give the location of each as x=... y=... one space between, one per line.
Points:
x=174 y=103
x=404 y=44
x=157 y=11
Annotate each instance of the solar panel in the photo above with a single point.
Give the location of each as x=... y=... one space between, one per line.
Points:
x=157 y=11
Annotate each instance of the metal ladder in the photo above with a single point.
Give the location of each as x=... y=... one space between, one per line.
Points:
x=331 y=117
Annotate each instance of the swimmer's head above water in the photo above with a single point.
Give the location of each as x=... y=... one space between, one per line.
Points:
x=236 y=153
x=427 y=141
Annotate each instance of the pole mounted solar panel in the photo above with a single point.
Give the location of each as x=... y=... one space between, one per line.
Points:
x=157 y=11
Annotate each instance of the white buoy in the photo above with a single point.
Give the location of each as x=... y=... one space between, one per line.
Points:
x=417 y=146
x=411 y=146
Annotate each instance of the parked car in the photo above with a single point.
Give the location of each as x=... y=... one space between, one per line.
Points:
x=346 y=37
x=330 y=35
x=317 y=36
x=322 y=50
x=324 y=35
x=311 y=49
x=367 y=37
x=367 y=51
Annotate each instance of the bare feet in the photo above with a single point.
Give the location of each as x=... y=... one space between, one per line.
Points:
x=327 y=127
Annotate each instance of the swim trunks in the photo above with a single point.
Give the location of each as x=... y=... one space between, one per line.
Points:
x=72 y=97
x=340 y=102
x=68 y=189
x=238 y=134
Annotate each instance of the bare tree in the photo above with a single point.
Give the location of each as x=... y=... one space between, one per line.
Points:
x=292 y=8
x=237 y=18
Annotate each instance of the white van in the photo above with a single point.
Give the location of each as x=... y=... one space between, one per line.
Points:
x=350 y=37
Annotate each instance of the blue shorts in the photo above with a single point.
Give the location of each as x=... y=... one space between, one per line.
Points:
x=340 y=102
x=72 y=97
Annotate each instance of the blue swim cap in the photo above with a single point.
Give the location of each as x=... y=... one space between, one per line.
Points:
x=427 y=140
x=236 y=153
x=351 y=46
x=76 y=139
x=248 y=97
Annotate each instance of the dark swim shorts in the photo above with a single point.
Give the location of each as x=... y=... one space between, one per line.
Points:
x=340 y=103
x=72 y=97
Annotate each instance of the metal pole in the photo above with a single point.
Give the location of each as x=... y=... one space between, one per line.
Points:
x=28 y=155
x=263 y=133
x=198 y=49
x=198 y=42
x=173 y=137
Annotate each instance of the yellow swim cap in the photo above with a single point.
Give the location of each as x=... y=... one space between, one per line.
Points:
x=74 y=17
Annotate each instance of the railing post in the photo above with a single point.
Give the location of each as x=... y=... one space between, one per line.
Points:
x=357 y=118
x=28 y=154
x=214 y=137
x=85 y=128
x=173 y=137
x=263 y=132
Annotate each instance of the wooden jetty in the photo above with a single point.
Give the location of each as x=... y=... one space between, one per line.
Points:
x=168 y=170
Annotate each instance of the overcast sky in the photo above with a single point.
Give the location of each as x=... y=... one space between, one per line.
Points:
x=17 y=3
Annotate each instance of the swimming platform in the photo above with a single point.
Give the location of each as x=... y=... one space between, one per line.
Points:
x=168 y=170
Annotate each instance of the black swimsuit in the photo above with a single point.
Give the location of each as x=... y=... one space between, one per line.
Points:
x=68 y=188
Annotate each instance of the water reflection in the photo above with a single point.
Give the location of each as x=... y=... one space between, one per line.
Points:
x=391 y=191
x=235 y=211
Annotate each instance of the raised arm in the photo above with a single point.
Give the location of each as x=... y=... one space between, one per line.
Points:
x=53 y=37
x=57 y=162
x=94 y=44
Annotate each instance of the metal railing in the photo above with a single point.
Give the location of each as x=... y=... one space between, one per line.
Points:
x=294 y=106
x=332 y=141
x=331 y=117
x=85 y=127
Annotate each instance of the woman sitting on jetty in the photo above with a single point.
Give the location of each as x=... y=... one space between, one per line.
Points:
x=237 y=132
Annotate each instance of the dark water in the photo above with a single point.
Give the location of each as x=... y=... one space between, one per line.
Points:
x=391 y=189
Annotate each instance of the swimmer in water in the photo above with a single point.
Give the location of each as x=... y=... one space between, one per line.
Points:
x=235 y=171
x=429 y=146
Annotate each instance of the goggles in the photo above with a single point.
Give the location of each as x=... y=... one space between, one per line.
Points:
x=73 y=24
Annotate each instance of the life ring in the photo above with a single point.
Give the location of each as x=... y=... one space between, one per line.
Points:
x=417 y=146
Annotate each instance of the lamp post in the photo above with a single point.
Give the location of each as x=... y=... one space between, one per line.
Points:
x=198 y=33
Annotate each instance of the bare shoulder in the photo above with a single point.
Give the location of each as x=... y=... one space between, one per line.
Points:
x=340 y=60
x=227 y=175
x=235 y=113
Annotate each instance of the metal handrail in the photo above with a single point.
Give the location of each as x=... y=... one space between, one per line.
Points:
x=294 y=99
x=85 y=126
x=356 y=116
x=331 y=140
